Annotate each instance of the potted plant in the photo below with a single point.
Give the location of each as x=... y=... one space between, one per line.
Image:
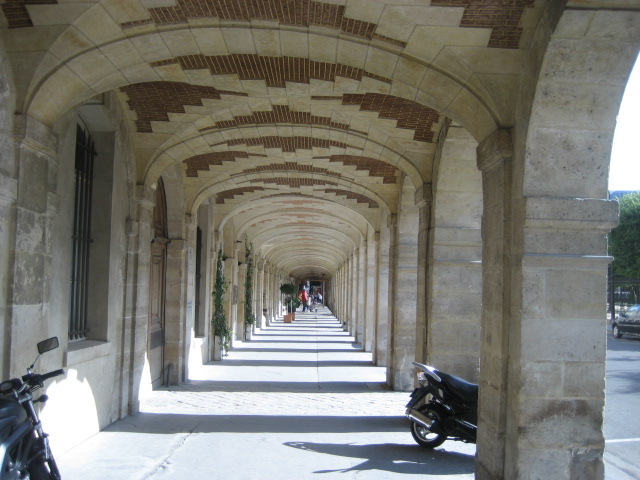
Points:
x=221 y=330
x=249 y=317
x=289 y=291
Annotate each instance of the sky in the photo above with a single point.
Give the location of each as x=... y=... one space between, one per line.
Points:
x=624 y=173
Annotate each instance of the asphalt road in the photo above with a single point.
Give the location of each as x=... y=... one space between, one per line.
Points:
x=622 y=409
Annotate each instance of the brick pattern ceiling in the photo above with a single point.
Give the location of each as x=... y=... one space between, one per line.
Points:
x=286 y=144
x=292 y=12
x=502 y=16
x=221 y=88
x=153 y=101
x=275 y=71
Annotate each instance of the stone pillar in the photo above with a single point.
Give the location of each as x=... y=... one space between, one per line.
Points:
x=383 y=319
x=403 y=340
x=371 y=282
x=543 y=328
x=242 y=306
x=423 y=199
x=136 y=309
x=178 y=307
x=274 y=298
x=230 y=264
x=494 y=160
x=349 y=298
x=392 y=224
x=454 y=271
x=31 y=205
x=260 y=291
x=354 y=290
x=361 y=268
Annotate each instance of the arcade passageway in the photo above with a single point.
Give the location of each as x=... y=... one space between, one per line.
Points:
x=436 y=169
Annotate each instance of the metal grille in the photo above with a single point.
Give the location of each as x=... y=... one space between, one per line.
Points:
x=85 y=155
x=199 y=324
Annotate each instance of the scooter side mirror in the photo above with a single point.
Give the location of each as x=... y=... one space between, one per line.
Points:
x=48 y=344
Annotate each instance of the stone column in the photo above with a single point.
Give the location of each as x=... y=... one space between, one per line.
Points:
x=494 y=160
x=230 y=264
x=353 y=284
x=403 y=340
x=136 y=309
x=274 y=298
x=260 y=291
x=383 y=320
x=371 y=286
x=392 y=225
x=349 y=289
x=178 y=307
x=454 y=271
x=361 y=268
x=371 y=305
x=31 y=206
x=423 y=199
x=242 y=306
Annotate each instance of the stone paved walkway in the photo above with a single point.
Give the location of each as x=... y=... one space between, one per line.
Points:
x=298 y=401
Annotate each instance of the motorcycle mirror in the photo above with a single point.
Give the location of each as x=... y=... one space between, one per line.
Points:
x=45 y=346
x=48 y=344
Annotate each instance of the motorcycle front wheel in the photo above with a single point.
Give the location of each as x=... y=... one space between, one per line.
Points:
x=39 y=471
x=423 y=436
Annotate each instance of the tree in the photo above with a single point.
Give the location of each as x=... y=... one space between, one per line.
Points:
x=624 y=240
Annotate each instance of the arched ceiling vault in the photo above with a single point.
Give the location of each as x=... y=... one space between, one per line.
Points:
x=296 y=120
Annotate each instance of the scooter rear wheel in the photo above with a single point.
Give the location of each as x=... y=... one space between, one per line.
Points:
x=422 y=435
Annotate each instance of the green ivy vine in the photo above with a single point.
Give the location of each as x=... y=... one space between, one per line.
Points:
x=249 y=317
x=219 y=321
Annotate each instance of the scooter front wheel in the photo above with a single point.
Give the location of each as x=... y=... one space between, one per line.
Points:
x=422 y=435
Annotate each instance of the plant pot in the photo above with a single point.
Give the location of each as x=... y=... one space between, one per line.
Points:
x=248 y=333
x=289 y=317
x=218 y=349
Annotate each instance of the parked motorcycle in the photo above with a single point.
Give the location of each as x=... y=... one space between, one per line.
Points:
x=24 y=447
x=443 y=407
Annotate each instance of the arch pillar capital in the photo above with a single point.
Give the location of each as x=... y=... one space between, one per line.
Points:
x=495 y=150
x=424 y=195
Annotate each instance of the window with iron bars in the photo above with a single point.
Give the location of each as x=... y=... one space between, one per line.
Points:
x=81 y=240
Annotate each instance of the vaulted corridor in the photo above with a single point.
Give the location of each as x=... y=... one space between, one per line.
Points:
x=435 y=169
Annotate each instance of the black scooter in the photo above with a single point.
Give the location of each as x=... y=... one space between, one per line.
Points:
x=443 y=407
x=24 y=447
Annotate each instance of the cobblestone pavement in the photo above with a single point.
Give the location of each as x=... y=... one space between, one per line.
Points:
x=298 y=401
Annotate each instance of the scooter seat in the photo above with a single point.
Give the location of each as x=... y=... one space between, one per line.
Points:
x=466 y=391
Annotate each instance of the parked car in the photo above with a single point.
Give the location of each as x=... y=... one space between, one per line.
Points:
x=627 y=323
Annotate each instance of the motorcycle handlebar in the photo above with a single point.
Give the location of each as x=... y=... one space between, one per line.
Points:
x=37 y=380
x=49 y=375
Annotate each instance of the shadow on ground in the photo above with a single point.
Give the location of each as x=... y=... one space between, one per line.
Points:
x=396 y=458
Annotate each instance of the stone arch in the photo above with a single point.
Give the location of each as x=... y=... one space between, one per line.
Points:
x=173 y=151
x=58 y=87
